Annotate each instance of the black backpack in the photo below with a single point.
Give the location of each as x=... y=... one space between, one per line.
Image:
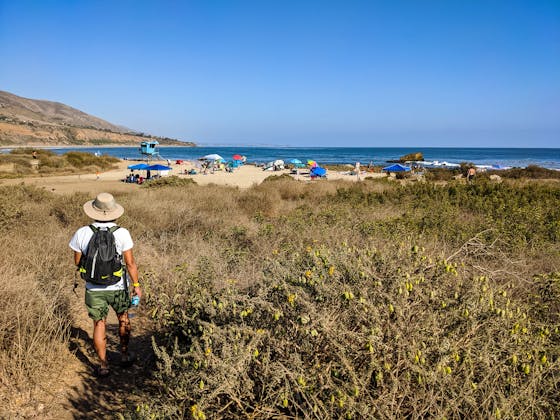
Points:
x=101 y=264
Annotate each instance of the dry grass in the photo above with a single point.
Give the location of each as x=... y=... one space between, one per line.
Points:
x=34 y=285
x=328 y=300
x=19 y=163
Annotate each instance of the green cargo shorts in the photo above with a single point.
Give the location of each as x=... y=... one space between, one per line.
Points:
x=98 y=302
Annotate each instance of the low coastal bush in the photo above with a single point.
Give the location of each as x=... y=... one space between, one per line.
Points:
x=168 y=181
x=19 y=162
x=351 y=332
x=441 y=174
x=81 y=160
x=530 y=172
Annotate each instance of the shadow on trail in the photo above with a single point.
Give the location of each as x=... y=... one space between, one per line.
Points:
x=124 y=388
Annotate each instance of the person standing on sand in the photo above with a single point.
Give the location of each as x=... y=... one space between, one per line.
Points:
x=357 y=170
x=104 y=211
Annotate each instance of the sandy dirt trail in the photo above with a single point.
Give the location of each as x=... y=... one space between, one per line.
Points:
x=87 y=396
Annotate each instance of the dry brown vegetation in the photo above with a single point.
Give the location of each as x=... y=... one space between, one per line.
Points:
x=330 y=300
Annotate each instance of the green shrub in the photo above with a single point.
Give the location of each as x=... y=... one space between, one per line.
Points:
x=351 y=333
x=168 y=181
x=441 y=174
x=81 y=160
x=530 y=172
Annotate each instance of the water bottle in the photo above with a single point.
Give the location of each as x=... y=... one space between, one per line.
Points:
x=135 y=301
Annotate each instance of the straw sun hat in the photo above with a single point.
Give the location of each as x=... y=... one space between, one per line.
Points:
x=104 y=208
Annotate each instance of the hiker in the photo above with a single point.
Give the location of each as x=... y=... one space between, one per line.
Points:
x=34 y=154
x=104 y=211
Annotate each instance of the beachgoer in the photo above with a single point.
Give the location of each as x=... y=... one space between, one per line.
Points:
x=104 y=210
x=96 y=174
x=357 y=170
x=471 y=172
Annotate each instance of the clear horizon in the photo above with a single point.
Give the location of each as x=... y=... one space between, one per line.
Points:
x=297 y=74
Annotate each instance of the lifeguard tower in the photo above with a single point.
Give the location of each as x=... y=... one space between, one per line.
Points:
x=150 y=150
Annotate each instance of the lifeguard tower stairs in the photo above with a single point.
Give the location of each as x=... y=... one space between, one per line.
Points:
x=149 y=150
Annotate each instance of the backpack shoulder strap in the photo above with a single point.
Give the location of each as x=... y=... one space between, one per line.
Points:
x=113 y=229
x=95 y=229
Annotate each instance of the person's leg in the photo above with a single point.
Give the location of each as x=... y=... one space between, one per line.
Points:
x=120 y=304
x=100 y=342
x=124 y=331
x=98 y=309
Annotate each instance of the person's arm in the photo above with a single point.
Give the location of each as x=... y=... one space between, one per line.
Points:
x=77 y=257
x=132 y=269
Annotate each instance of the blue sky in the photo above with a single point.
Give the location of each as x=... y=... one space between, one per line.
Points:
x=299 y=73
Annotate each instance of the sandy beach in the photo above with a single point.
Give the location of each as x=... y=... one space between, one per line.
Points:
x=111 y=181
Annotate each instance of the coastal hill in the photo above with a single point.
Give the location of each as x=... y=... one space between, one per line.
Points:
x=32 y=122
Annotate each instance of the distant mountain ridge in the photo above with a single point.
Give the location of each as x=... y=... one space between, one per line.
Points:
x=34 y=122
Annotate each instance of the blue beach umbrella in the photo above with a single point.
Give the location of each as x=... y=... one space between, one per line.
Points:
x=295 y=161
x=397 y=167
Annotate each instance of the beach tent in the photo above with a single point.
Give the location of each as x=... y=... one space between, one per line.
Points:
x=277 y=165
x=138 y=166
x=213 y=156
x=162 y=169
x=318 y=171
x=158 y=168
x=397 y=167
x=237 y=157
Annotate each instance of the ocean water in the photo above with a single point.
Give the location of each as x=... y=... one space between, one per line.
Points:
x=548 y=158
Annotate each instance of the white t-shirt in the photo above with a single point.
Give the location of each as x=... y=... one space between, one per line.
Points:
x=123 y=242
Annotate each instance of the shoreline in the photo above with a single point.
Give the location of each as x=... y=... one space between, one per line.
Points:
x=442 y=157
